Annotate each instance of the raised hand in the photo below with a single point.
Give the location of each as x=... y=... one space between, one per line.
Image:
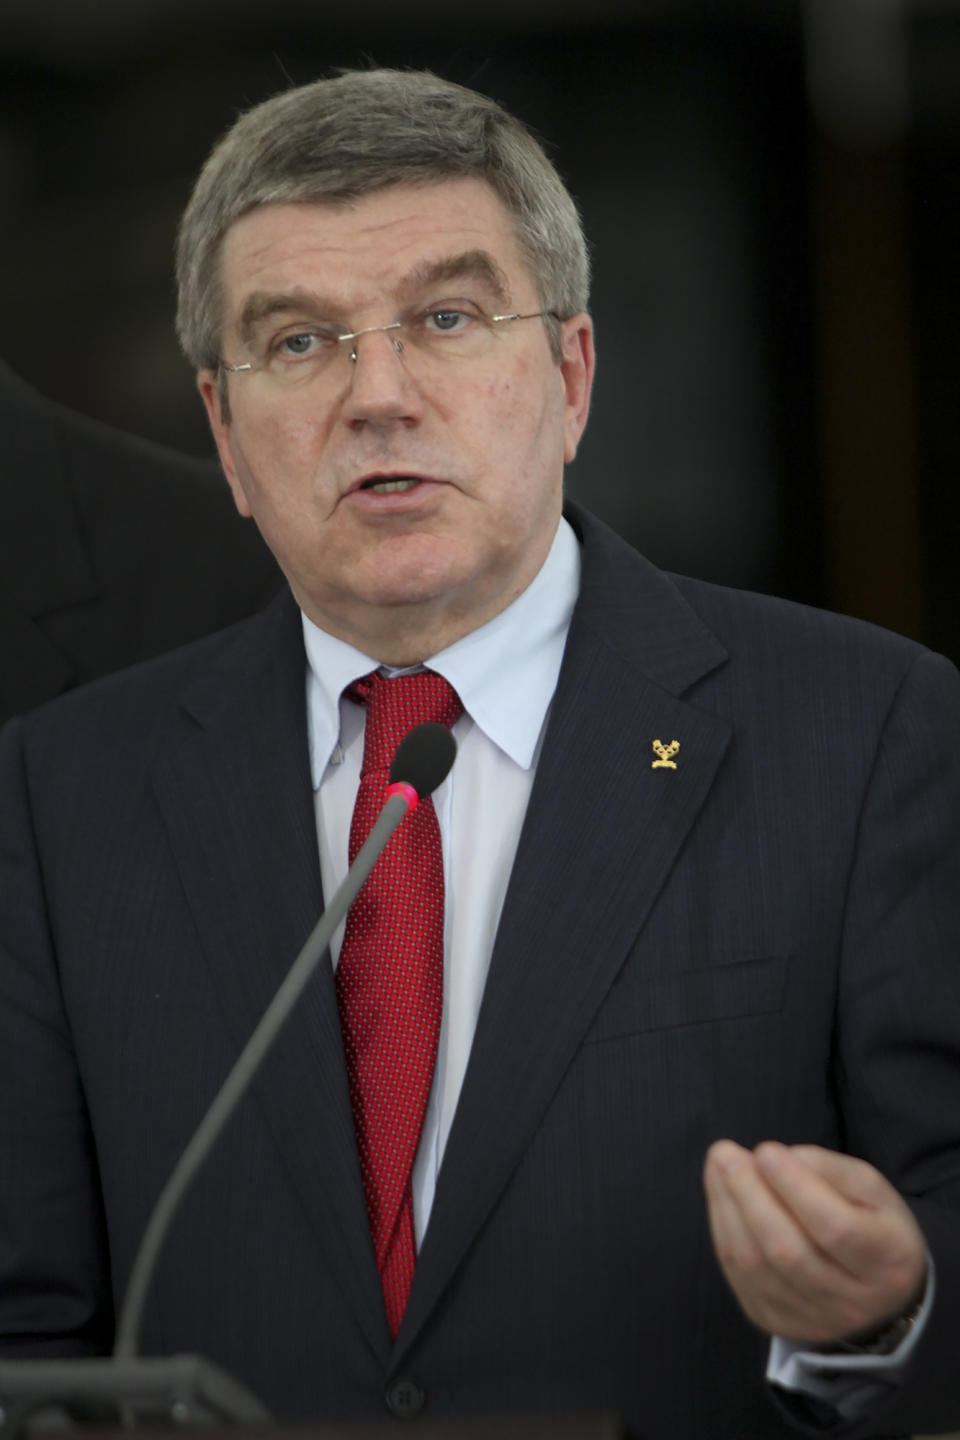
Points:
x=817 y=1246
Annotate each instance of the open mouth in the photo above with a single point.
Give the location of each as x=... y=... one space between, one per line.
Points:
x=390 y=487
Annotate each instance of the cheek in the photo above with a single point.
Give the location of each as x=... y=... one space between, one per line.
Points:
x=266 y=433
x=526 y=426
x=506 y=417
x=274 y=456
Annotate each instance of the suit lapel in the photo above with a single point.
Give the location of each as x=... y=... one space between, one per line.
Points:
x=602 y=831
x=234 y=787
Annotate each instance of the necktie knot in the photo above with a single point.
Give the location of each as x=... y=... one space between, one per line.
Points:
x=395 y=705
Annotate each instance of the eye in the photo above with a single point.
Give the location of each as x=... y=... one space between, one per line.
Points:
x=298 y=344
x=449 y=320
x=304 y=344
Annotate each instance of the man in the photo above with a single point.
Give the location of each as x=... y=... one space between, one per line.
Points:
x=112 y=550
x=699 y=876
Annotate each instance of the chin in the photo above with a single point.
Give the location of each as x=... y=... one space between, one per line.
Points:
x=415 y=591
x=418 y=572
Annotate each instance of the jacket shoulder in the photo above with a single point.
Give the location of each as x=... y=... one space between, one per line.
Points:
x=131 y=704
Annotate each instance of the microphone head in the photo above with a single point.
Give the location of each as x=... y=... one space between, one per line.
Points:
x=423 y=758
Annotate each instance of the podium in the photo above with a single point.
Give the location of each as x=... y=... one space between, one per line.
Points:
x=560 y=1427
x=184 y=1396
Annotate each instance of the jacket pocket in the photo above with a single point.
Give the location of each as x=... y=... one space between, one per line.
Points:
x=693 y=997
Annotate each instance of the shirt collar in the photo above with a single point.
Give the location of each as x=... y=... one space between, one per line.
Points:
x=505 y=672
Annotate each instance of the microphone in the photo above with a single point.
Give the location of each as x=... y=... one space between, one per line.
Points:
x=187 y=1388
x=424 y=758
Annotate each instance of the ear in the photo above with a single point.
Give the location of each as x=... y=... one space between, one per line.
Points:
x=208 y=383
x=576 y=367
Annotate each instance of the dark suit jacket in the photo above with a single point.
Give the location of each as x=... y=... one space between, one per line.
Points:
x=112 y=550
x=761 y=942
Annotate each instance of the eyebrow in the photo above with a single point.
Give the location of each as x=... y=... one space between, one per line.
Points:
x=264 y=304
x=468 y=265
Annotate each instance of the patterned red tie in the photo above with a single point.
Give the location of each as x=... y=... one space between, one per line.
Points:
x=390 y=975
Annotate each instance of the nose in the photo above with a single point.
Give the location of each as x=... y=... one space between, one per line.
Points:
x=381 y=389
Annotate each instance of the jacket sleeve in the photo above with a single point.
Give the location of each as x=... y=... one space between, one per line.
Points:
x=897 y=1047
x=54 y=1268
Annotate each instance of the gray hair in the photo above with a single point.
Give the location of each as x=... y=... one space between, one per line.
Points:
x=336 y=140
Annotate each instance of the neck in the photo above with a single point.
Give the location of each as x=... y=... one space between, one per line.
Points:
x=393 y=639
x=403 y=635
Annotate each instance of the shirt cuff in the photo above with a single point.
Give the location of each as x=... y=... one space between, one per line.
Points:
x=851 y=1383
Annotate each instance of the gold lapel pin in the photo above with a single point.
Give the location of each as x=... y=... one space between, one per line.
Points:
x=666 y=753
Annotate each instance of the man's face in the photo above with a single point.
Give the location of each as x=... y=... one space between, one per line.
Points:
x=309 y=447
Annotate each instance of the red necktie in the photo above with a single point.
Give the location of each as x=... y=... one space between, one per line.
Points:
x=390 y=975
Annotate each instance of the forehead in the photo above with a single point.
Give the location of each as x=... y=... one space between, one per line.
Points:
x=357 y=253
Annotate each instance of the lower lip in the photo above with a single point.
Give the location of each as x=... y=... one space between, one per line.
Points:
x=395 y=501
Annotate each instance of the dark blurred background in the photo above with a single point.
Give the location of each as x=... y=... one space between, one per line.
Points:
x=771 y=192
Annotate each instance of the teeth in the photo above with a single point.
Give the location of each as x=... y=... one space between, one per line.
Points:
x=387 y=487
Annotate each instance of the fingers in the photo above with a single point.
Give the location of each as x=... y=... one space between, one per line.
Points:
x=817 y=1246
x=782 y=1282
x=855 y=1179
x=732 y=1235
x=846 y=1207
x=831 y=1223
